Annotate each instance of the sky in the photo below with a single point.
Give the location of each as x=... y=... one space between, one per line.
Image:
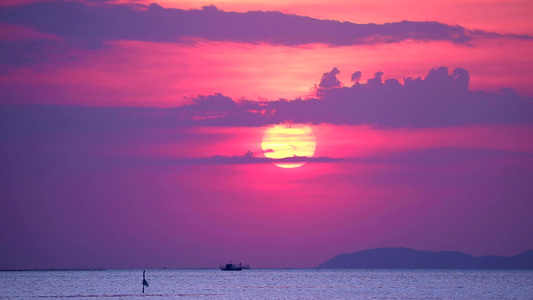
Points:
x=184 y=134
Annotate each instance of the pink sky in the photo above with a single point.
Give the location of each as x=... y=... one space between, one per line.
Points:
x=145 y=73
x=253 y=71
x=137 y=211
x=125 y=138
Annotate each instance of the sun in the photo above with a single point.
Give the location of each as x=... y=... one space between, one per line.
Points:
x=289 y=140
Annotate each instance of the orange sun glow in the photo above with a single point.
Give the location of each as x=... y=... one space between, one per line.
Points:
x=289 y=140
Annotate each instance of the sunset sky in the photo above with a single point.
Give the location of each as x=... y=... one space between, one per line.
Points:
x=142 y=135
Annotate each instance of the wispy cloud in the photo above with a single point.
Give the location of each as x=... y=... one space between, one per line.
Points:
x=229 y=160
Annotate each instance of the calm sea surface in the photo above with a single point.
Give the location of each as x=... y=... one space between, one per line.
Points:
x=268 y=284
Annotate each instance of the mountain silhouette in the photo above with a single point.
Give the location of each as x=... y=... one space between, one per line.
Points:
x=405 y=258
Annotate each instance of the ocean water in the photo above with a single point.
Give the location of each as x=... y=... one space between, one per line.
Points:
x=268 y=284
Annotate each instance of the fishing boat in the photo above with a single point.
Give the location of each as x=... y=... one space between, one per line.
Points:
x=233 y=267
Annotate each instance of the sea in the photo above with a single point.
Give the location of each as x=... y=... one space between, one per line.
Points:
x=267 y=284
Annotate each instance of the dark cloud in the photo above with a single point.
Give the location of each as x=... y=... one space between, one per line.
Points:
x=329 y=80
x=21 y=53
x=440 y=99
x=356 y=76
x=30 y=52
x=105 y=21
x=376 y=80
x=233 y=160
x=441 y=156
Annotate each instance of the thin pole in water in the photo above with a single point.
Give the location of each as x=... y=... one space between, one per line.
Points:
x=145 y=283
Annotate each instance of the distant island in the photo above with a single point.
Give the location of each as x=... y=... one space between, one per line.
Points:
x=405 y=258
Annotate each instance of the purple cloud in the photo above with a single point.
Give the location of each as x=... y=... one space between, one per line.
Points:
x=329 y=80
x=237 y=159
x=356 y=76
x=106 y=22
x=440 y=99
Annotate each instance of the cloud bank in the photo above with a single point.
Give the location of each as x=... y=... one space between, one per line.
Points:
x=94 y=24
x=440 y=99
x=236 y=159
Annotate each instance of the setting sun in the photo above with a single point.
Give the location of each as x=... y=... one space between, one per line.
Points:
x=289 y=140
